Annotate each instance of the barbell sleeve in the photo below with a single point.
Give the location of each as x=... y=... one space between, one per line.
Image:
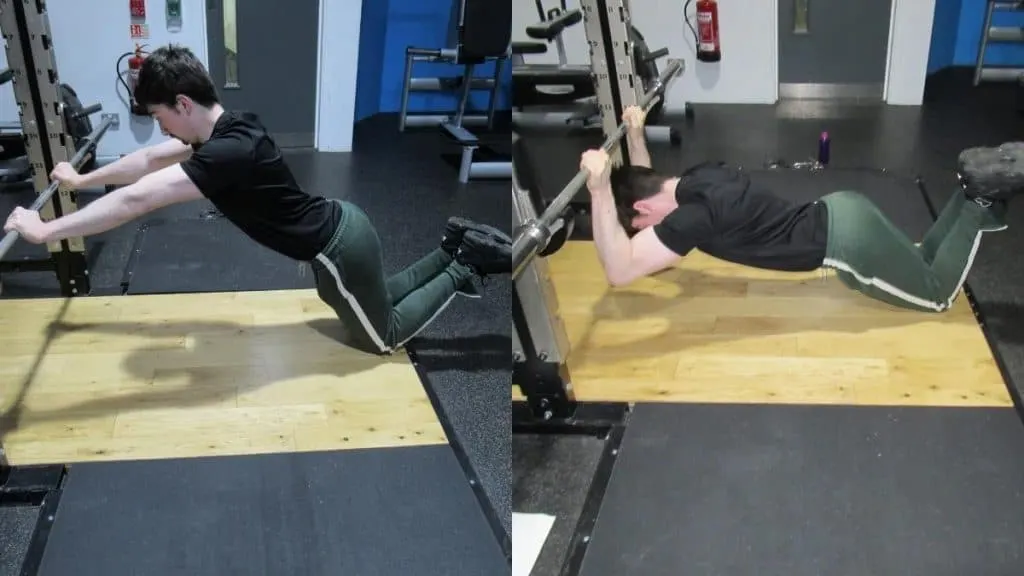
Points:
x=87 y=111
x=527 y=242
x=88 y=145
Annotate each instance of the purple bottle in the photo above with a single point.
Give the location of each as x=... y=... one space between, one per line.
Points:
x=823 y=149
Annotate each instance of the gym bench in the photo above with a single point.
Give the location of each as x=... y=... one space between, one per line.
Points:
x=483 y=35
x=532 y=84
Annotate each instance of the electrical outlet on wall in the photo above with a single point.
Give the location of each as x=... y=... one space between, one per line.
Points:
x=115 y=120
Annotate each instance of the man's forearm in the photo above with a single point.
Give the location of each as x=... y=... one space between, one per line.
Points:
x=638 y=154
x=106 y=212
x=613 y=247
x=123 y=171
x=131 y=168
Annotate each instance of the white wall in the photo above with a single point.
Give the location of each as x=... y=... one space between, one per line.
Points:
x=86 y=60
x=748 y=71
x=339 y=68
x=909 y=46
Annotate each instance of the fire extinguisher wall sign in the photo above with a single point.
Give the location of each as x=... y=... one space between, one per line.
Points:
x=709 y=46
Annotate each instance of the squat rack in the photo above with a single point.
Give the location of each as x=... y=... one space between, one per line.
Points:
x=32 y=67
x=540 y=345
x=48 y=141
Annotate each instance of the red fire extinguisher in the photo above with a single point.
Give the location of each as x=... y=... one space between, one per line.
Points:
x=709 y=46
x=134 y=65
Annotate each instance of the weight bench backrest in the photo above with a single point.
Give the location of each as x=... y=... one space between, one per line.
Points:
x=486 y=30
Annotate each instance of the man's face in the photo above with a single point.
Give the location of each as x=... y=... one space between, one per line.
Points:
x=172 y=122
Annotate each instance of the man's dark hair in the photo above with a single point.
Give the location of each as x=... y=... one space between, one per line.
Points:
x=172 y=70
x=631 y=184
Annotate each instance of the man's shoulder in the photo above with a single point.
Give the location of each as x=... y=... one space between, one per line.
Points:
x=235 y=124
x=235 y=134
x=243 y=118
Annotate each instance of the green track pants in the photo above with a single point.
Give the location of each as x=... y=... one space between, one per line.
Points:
x=381 y=314
x=871 y=255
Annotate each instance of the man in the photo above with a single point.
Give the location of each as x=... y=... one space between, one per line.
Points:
x=228 y=158
x=643 y=222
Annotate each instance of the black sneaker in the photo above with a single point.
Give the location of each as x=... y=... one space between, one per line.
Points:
x=485 y=254
x=457 y=227
x=992 y=173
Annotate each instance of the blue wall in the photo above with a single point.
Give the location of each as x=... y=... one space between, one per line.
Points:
x=944 y=34
x=388 y=27
x=956 y=36
x=372 y=32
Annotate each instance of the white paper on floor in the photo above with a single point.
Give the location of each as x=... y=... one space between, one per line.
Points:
x=529 y=531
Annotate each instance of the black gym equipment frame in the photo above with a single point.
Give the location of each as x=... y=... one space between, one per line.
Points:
x=48 y=142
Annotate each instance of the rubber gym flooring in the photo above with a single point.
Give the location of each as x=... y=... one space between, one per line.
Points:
x=778 y=423
x=214 y=425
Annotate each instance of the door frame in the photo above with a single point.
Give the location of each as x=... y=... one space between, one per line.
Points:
x=888 y=57
x=334 y=110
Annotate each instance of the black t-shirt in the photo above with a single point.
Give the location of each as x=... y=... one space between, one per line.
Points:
x=243 y=173
x=722 y=214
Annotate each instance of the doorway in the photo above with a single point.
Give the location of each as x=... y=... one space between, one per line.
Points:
x=263 y=59
x=833 y=49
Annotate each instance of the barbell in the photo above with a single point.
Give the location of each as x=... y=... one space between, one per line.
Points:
x=534 y=234
x=86 y=147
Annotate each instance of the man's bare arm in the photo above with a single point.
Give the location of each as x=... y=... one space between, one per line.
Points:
x=636 y=140
x=153 y=191
x=611 y=241
x=625 y=259
x=132 y=167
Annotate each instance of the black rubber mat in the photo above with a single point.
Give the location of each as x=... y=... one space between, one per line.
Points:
x=16 y=524
x=844 y=491
x=552 y=475
x=464 y=359
x=384 y=512
x=207 y=255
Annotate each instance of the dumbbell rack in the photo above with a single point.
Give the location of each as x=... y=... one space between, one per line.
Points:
x=33 y=68
x=999 y=34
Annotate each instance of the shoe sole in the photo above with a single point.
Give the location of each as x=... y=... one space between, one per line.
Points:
x=467 y=225
x=478 y=252
x=993 y=172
